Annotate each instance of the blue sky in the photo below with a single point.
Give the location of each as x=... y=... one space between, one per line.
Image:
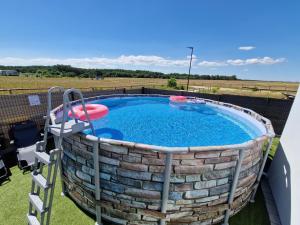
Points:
x=153 y=35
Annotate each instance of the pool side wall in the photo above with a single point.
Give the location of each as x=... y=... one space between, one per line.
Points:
x=131 y=180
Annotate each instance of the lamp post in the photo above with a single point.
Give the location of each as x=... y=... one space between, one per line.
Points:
x=188 y=82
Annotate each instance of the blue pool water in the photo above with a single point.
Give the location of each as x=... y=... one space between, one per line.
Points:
x=156 y=121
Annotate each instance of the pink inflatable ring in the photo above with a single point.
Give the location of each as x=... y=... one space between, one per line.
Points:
x=175 y=98
x=95 y=111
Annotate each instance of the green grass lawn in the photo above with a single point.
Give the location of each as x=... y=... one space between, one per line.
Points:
x=274 y=147
x=14 y=206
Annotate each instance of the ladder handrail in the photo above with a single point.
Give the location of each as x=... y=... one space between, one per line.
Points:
x=67 y=105
x=49 y=108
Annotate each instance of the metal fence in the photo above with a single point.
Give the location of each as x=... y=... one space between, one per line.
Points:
x=277 y=110
x=16 y=107
x=20 y=107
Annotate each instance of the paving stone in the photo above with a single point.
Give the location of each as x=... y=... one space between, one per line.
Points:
x=127 y=181
x=109 y=198
x=219 y=189
x=173 y=207
x=205 y=184
x=191 y=178
x=216 y=174
x=196 y=194
x=177 y=179
x=150 y=185
x=184 y=202
x=225 y=165
x=183 y=187
x=184 y=156
x=192 y=162
x=156 y=169
x=110 y=161
x=117 y=156
x=114 y=148
x=175 y=216
x=193 y=169
x=151 y=213
x=140 y=205
x=123 y=196
x=153 y=161
x=207 y=155
x=114 y=220
x=88 y=170
x=134 y=166
x=218 y=160
x=105 y=176
x=207 y=199
x=151 y=219
x=143 y=193
x=134 y=174
x=108 y=168
x=222 y=181
x=132 y=159
x=175 y=195
x=187 y=219
x=83 y=176
x=173 y=179
x=111 y=186
x=230 y=152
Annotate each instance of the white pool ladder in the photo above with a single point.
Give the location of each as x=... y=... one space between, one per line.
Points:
x=60 y=128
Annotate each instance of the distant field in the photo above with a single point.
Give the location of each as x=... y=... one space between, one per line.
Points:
x=239 y=87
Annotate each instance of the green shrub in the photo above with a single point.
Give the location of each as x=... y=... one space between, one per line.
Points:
x=172 y=82
x=215 y=89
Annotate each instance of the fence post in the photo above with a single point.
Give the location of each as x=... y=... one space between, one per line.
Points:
x=234 y=185
x=165 y=194
x=97 y=182
x=261 y=170
x=124 y=90
x=143 y=90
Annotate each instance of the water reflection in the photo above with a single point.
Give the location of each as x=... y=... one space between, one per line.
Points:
x=109 y=133
x=194 y=107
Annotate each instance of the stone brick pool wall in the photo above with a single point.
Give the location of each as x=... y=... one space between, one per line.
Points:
x=131 y=181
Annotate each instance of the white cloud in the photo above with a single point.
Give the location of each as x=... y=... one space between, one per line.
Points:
x=137 y=62
x=99 y=62
x=260 y=61
x=246 y=48
x=242 y=62
x=211 y=63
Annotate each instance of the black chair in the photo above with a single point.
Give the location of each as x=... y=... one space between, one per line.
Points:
x=25 y=135
x=3 y=172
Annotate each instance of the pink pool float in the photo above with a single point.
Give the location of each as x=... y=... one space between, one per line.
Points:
x=95 y=111
x=178 y=98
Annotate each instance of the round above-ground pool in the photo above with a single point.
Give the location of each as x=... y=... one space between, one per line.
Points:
x=205 y=139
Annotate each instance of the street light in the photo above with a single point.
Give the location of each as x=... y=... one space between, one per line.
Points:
x=192 y=50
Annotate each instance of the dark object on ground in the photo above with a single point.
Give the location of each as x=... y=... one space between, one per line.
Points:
x=25 y=135
x=4 y=175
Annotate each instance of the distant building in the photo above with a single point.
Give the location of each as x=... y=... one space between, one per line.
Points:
x=9 y=73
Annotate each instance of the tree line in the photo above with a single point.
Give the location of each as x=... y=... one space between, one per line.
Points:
x=69 y=71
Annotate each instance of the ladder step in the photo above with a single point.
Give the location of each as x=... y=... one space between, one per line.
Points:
x=43 y=157
x=40 y=180
x=32 y=220
x=36 y=202
x=71 y=127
